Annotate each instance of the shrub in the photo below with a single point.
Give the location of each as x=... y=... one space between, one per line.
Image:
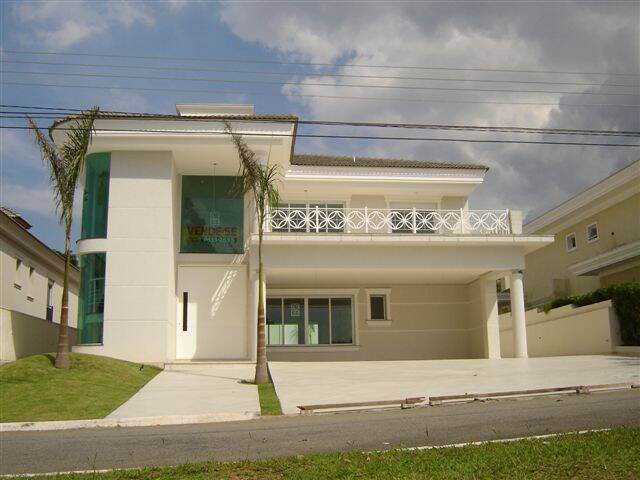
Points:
x=626 y=302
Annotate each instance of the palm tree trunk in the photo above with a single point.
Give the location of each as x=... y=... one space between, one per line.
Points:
x=62 y=357
x=262 y=372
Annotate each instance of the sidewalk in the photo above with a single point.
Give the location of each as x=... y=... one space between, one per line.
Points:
x=195 y=390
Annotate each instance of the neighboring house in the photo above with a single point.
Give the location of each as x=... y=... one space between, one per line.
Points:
x=365 y=259
x=597 y=240
x=31 y=291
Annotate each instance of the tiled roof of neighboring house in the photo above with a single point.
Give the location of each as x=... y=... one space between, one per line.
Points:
x=144 y=116
x=344 y=161
x=16 y=217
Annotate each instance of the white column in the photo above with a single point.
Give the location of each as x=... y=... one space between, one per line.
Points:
x=491 y=322
x=518 y=321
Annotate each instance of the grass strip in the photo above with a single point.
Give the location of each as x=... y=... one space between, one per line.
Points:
x=592 y=456
x=269 y=402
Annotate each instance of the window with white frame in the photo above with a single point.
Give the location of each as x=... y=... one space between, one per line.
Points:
x=592 y=232
x=378 y=305
x=310 y=320
x=571 y=242
x=17 y=279
x=30 y=282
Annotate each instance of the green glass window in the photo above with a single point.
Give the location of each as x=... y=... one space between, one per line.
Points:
x=212 y=215
x=91 y=304
x=95 y=201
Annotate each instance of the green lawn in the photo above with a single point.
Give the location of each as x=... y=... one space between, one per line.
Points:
x=269 y=402
x=593 y=456
x=32 y=389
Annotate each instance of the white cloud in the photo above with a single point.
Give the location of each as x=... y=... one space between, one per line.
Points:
x=527 y=36
x=60 y=24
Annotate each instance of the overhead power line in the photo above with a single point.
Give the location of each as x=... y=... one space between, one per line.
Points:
x=350 y=137
x=315 y=64
x=314 y=74
x=44 y=115
x=304 y=95
x=306 y=84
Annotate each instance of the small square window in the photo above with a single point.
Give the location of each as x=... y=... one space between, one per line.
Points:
x=571 y=242
x=592 y=232
x=377 y=304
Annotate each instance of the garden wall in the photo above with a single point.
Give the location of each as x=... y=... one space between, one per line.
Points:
x=588 y=330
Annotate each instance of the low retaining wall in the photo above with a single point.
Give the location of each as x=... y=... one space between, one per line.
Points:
x=22 y=335
x=588 y=330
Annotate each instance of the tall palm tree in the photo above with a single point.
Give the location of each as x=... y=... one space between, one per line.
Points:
x=65 y=163
x=262 y=182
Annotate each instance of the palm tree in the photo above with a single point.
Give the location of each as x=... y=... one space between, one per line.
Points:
x=262 y=182
x=65 y=164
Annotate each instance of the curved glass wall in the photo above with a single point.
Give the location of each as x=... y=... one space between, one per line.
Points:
x=212 y=215
x=91 y=301
x=95 y=201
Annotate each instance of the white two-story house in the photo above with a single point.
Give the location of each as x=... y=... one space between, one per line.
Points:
x=365 y=258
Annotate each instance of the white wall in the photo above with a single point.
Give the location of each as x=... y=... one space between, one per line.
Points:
x=217 y=312
x=588 y=330
x=140 y=275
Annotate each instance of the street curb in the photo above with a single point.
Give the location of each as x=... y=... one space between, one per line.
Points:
x=127 y=422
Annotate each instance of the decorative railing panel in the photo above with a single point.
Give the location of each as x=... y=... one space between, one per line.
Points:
x=388 y=221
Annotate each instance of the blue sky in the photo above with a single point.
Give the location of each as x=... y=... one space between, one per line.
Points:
x=536 y=36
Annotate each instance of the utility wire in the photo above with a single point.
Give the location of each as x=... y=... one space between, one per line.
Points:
x=304 y=95
x=315 y=64
x=313 y=74
x=351 y=137
x=416 y=126
x=306 y=84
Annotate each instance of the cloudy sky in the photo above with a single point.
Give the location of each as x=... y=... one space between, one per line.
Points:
x=591 y=38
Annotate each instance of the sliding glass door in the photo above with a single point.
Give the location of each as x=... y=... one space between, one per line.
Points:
x=309 y=321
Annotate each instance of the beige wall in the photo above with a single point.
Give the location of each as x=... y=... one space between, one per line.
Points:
x=23 y=335
x=427 y=322
x=617 y=225
x=588 y=330
x=628 y=275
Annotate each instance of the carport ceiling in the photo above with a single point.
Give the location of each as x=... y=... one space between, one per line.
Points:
x=332 y=277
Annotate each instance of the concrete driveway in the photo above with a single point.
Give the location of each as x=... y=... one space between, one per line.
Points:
x=213 y=390
x=303 y=383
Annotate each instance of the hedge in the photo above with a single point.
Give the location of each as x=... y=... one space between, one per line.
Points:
x=626 y=302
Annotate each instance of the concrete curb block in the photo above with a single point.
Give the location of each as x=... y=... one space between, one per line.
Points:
x=126 y=422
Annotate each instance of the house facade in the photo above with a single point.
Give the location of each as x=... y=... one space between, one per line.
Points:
x=597 y=240
x=31 y=291
x=365 y=258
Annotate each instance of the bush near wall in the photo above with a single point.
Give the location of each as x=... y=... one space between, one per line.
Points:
x=626 y=302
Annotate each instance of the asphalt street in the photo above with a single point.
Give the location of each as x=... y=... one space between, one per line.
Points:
x=39 y=452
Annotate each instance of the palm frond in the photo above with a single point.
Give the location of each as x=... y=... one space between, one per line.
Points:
x=55 y=166
x=66 y=162
x=74 y=149
x=248 y=169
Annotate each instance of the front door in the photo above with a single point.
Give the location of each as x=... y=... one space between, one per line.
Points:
x=212 y=312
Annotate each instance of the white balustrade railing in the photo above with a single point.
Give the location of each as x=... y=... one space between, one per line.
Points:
x=388 y=221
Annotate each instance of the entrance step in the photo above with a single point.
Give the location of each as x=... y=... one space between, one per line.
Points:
x=182 y=364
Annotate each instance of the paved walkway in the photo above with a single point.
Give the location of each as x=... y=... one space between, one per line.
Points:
x=300 y=383
x=195 y=390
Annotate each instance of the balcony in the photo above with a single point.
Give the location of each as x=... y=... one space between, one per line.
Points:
x=329 y=219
